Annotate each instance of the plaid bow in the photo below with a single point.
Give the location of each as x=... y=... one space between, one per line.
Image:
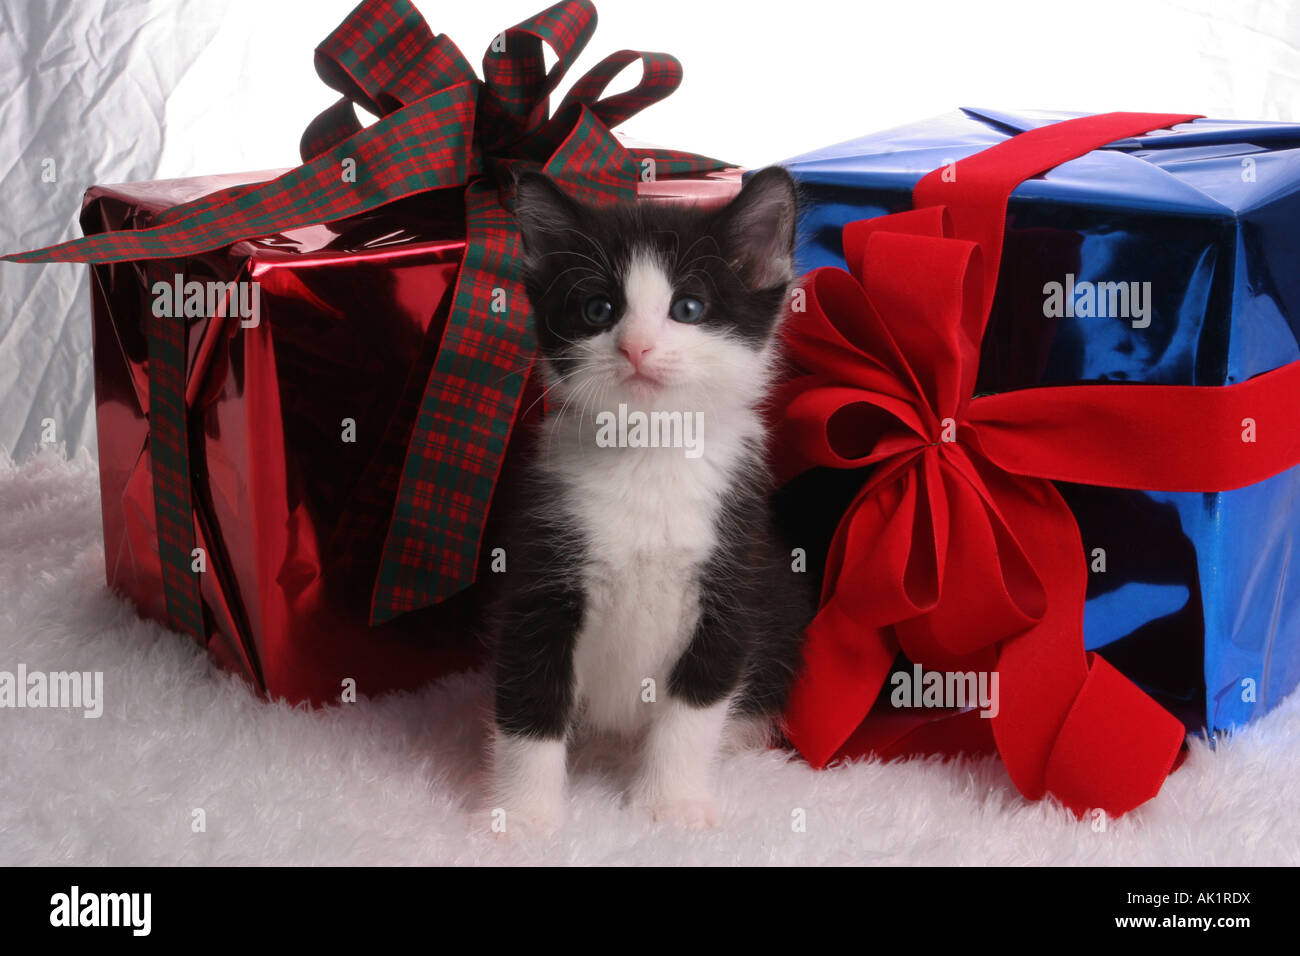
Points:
x=440 y=126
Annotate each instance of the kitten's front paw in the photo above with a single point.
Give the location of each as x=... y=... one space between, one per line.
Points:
x=689 y=813
x=526 y=793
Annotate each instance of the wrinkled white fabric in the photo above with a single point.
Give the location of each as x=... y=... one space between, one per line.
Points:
x=85 y=90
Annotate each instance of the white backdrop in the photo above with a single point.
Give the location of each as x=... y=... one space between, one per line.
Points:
x=114 y=90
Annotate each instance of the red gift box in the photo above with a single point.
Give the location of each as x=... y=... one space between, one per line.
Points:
x=297 y=432
x=307 y=382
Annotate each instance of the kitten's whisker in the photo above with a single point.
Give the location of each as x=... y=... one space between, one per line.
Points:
x=583 y=417
x=582 y=389
x=692 y=246
x=565 y=272
x=596 y=247
x=730 y=268
x=560 y=379
x=713 y=282
x=550 y=328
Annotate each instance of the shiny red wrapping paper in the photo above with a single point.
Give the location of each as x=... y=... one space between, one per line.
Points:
x=350 y=316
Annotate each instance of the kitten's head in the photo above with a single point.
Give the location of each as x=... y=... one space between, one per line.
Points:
x=658 y=304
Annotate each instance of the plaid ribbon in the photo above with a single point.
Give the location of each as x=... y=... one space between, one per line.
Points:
x=440 y=126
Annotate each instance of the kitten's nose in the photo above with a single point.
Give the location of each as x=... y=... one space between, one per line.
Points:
x=636 y=352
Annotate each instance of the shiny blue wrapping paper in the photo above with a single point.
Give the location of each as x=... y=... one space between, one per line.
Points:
x=1200 y=598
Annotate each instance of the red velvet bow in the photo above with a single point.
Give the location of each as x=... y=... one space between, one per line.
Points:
x=958 y=549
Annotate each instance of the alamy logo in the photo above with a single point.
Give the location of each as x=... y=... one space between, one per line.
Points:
x=57 y=689
x=948 y=689
x=75 y=908
x=1101 y=300
x=638 y=429
x=196 y=299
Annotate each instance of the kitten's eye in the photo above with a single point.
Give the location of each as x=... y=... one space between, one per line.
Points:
x=598 y=310
x=686 y=309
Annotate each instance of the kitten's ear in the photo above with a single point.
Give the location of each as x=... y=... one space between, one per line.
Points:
x=544 y=211
x=758 y=229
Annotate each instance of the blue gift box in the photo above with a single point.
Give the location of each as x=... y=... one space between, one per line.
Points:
x=1170 y=258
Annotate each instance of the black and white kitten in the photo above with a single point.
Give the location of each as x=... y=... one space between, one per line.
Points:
x=648 y=593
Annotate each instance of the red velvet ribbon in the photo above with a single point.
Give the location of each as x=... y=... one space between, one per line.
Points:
x=958 y=549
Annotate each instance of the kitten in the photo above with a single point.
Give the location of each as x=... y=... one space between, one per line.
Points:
x=648 y=593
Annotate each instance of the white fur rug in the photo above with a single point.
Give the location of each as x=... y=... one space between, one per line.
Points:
x=393 y=780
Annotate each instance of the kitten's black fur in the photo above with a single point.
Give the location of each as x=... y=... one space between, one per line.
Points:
x=753 y=606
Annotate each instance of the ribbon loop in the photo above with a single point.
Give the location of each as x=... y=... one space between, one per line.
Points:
x=661 y=74
x=930 y=327
x=332 y=126
x=514 y=67
x=381 y=58
x=989 y=588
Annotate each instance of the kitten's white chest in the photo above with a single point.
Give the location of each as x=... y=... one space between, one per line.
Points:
x=649 y=517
